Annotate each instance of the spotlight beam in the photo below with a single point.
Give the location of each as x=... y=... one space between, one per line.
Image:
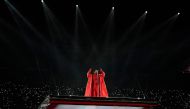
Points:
x=80 y=21
x=20 y=19
x=113 y=8
x=146 y=12
x=109 y=28
x=162 y=29
x=55 y=28
x=139 y=22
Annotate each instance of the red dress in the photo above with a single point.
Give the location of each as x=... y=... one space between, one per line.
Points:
x=96 y=86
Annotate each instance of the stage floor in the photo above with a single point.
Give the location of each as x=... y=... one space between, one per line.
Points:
x=76 y=102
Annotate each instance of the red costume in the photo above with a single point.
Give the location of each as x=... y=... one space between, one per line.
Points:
x=96 y=86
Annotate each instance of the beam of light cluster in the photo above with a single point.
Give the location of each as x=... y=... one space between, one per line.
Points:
x=80 y=27
x=20 y=19
x=109 y=29
x=146 y=12
x=80 y=19
x=76 y=27
x=139 y=23
x=113 y=8
x=27 y=29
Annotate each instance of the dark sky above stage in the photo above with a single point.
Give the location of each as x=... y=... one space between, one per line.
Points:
x=63 y=43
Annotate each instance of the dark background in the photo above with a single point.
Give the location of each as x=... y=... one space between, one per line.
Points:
x=147 y=57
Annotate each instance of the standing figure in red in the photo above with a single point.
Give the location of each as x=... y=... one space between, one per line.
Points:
x=96 y=86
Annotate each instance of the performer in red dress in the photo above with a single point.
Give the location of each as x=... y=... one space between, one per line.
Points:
x=96 y=86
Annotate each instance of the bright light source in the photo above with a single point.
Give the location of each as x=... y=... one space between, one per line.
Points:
x=146 y=12
x=77 y=6
x=178 y=13
x=42 y=1
x=112 y=8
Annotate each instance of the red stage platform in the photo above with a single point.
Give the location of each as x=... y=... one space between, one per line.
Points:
x=74 y=102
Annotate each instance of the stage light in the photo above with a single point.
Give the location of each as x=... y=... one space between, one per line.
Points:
x=42 y=1
x=112 y=8
x=77 y=6
x=178 y=13
x=146 y=12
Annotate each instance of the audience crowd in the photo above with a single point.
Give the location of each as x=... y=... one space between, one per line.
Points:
x=21 y=96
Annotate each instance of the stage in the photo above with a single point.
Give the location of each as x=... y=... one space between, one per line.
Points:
x=76 y=102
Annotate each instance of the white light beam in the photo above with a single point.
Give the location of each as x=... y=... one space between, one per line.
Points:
x=113 y=8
